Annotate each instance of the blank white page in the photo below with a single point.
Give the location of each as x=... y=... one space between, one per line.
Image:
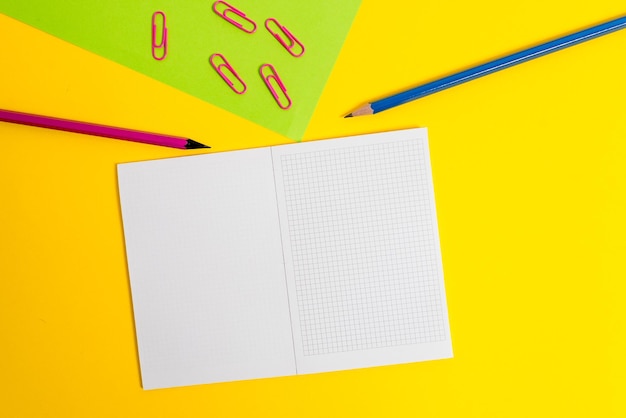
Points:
x=206 y=268
x=362 y=256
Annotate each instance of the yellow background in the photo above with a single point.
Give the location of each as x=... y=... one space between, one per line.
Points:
x=529 y=167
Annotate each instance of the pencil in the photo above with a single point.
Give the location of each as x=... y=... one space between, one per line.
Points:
x=99 y=130
x=489 y=68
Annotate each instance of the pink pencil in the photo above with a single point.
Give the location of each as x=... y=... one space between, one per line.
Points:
x=99 y=130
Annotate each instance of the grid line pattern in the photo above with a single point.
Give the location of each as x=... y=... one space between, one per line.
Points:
x=364 y=247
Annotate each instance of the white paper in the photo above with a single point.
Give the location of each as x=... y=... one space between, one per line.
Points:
x=293 y=259
x=206 y=269
x=362 y=255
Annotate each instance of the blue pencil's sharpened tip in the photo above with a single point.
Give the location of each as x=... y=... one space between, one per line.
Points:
x=349 y=115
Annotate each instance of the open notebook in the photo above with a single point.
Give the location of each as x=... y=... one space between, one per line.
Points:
x=292 y=259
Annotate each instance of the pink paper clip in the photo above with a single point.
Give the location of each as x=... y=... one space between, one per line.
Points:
x=230 y=76
x=282 y=99
x=241 y=20
x=286 y=38
x=162 y=45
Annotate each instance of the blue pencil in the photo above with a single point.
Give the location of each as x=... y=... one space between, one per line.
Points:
x=489 y=68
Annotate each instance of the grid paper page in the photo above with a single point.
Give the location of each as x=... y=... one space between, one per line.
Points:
x=362 y=247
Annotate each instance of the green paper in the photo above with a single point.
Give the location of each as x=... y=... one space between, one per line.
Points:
x=121 y=30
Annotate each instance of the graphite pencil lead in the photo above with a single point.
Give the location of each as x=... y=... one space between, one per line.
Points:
x=191 y=144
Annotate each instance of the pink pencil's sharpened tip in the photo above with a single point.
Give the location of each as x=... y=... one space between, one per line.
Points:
x=191 y=144
x=349 y=115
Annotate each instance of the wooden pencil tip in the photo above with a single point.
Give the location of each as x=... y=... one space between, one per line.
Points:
x=364 y=110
